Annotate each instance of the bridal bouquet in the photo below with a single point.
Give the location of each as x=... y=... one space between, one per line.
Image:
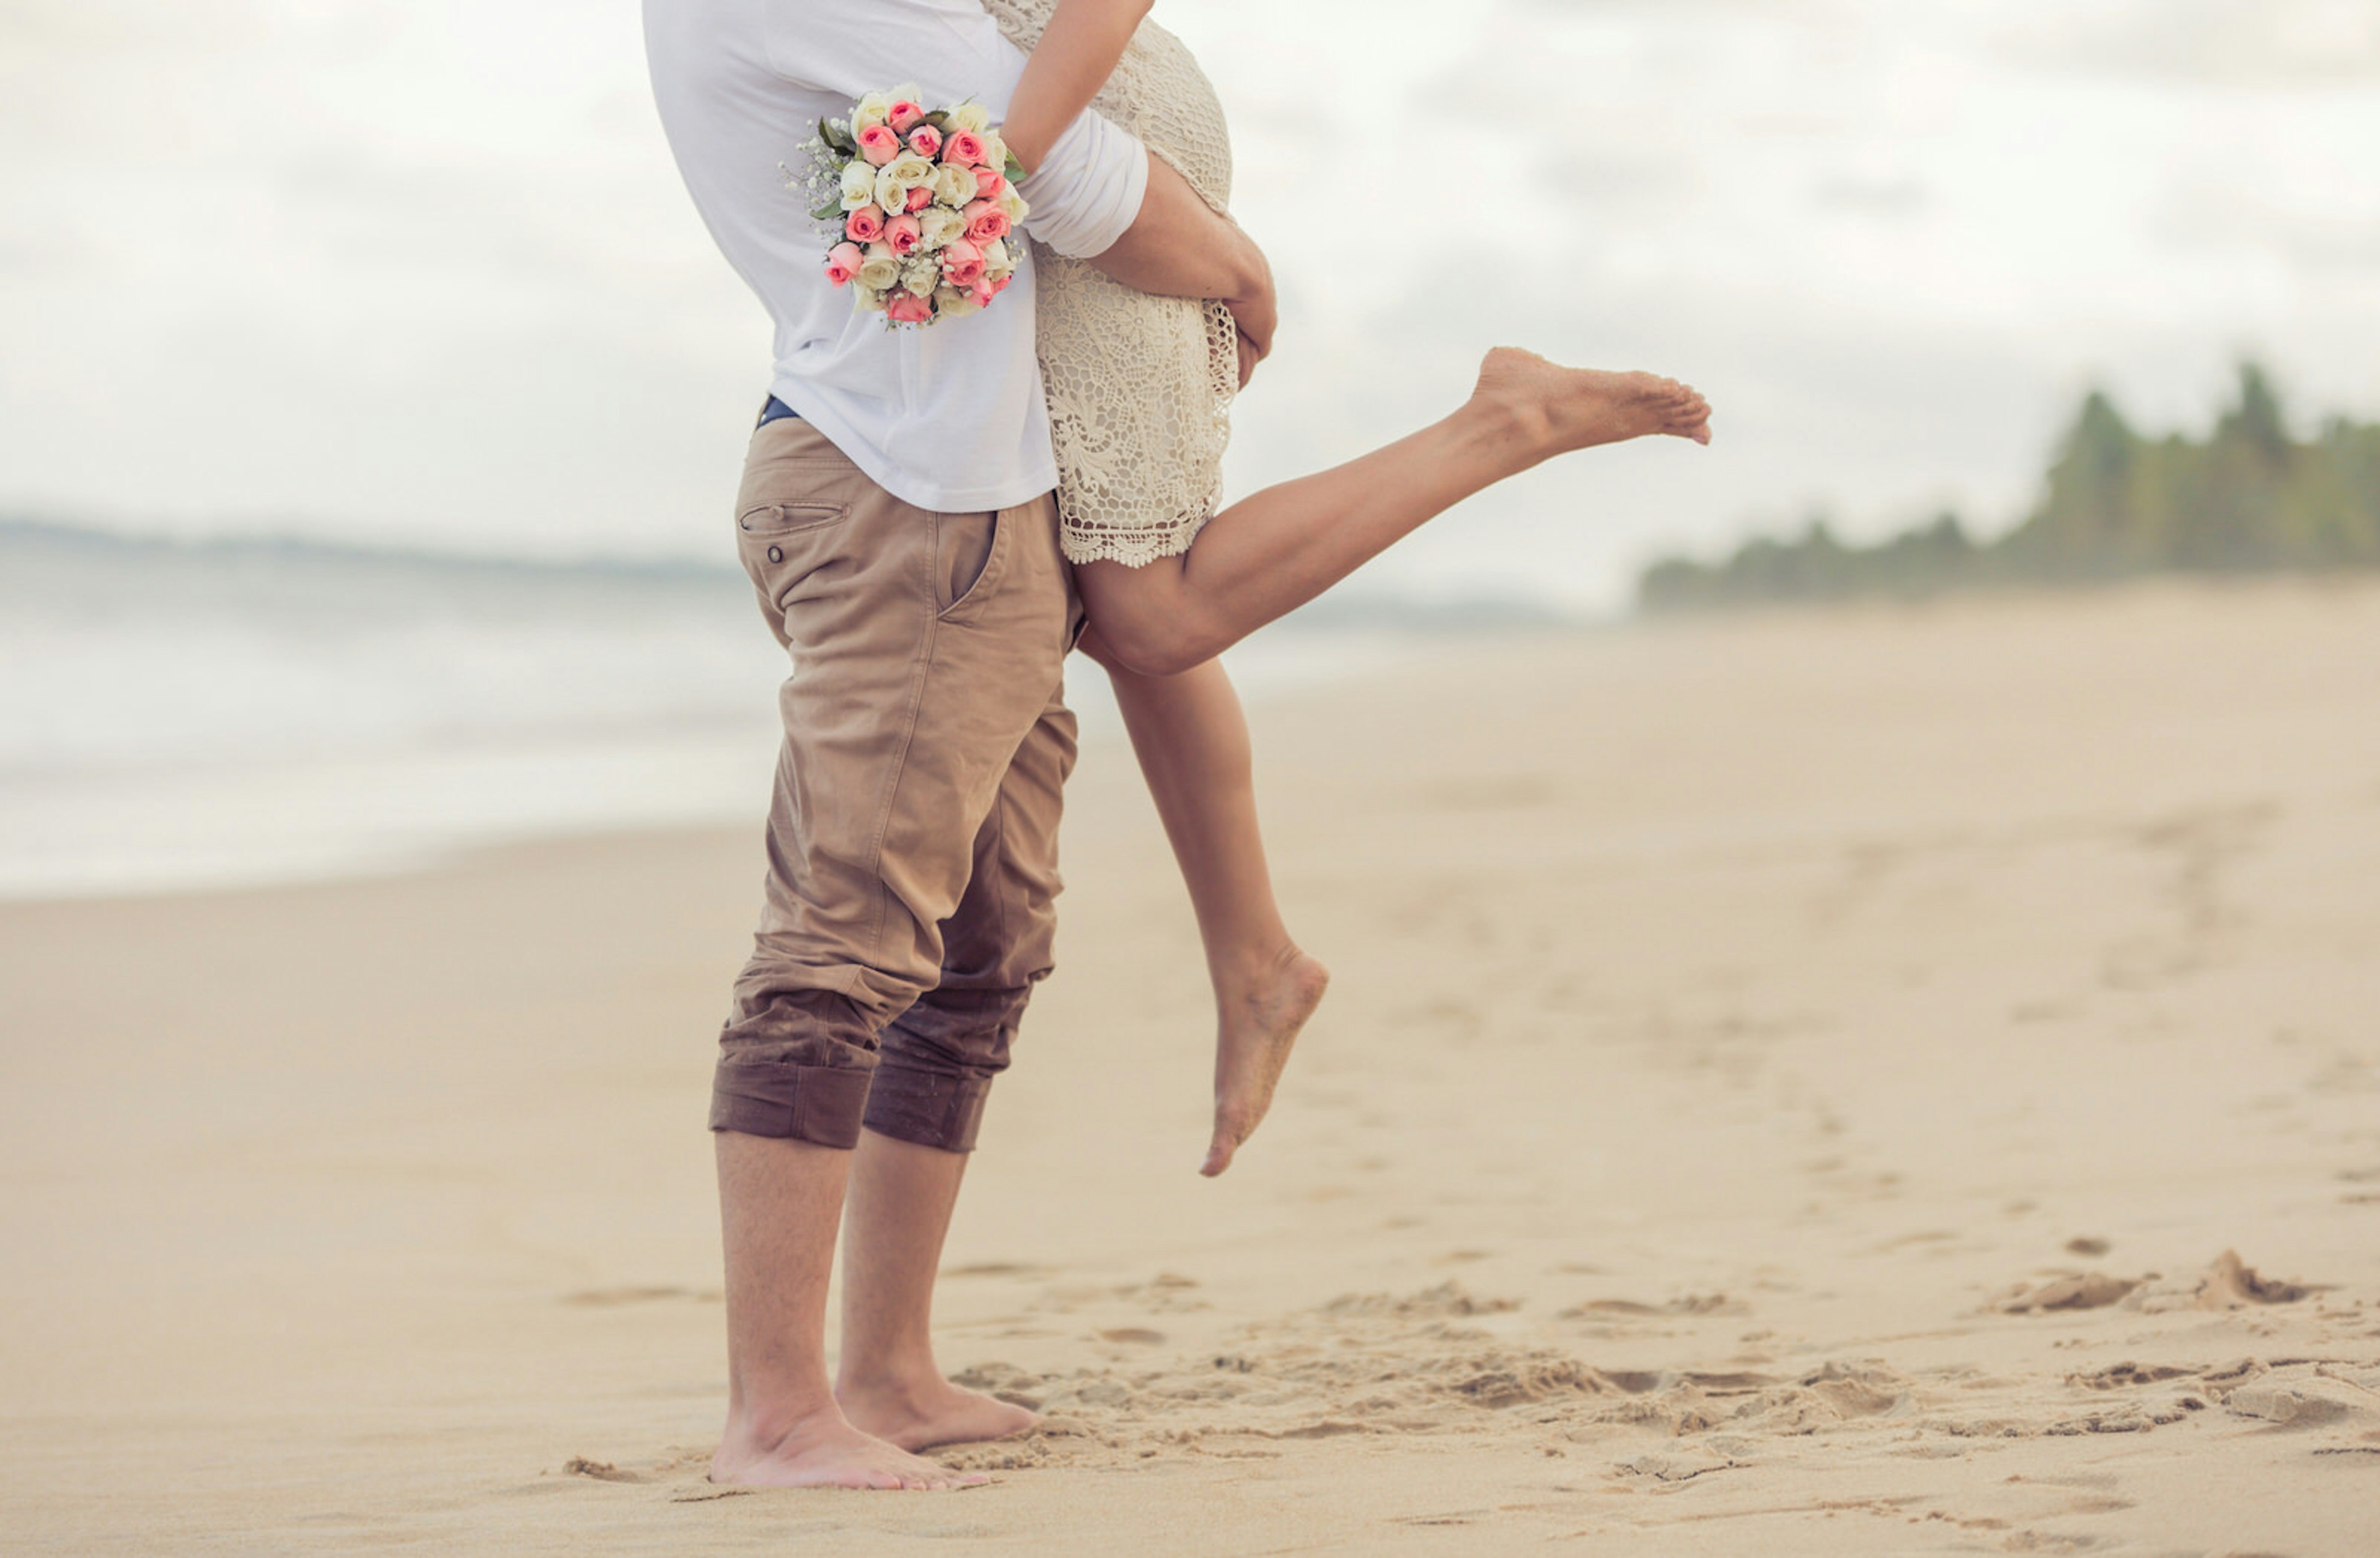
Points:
x=919 y=204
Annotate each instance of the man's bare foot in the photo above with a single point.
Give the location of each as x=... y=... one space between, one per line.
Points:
x=931 y=1413
x=826 y=1451
x=1558 y=409
x=1257 y=1020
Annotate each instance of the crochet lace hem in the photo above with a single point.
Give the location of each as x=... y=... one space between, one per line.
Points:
x=1134 y=546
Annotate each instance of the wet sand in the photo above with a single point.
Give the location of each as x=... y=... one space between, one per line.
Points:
x=1885 y=1081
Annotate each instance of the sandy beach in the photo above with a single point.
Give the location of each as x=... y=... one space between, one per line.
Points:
x=1901 y=1080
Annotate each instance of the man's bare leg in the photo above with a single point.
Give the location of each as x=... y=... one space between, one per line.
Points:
x=896 y=1214
x=1192 y=740
x=778 y=1204
x=1275 y=550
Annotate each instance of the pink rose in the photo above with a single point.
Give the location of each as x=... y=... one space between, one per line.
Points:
x=926 y=140
x=865 y=225
x=842 y=263
x=999 y=282
x=964 y=147
x=986 y=221
x=907 y=308
x=962 y=263
x=879 y=145
x=906 y=113
x=983 y=292
x=989 y=184
x=920 y=198
x=903 y=234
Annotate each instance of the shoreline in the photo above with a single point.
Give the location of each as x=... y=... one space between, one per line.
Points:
x=224 y=821
x=1298 y=667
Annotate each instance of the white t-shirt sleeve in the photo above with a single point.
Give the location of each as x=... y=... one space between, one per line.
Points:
x=1088 y=189
x=1085 y=193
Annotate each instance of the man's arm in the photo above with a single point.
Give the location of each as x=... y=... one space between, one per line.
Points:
x=1181 y=246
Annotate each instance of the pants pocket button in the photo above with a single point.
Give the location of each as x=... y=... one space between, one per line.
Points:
x=776 y=555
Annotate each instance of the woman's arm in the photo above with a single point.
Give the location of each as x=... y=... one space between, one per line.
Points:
x=1178 y=247
x=1077 y=52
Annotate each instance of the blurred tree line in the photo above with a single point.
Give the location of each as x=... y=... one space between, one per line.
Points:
x=2246 y=498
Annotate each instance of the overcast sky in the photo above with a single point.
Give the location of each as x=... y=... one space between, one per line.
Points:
x=422 y=271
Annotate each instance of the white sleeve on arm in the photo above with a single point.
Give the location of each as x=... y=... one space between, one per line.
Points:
x=1087 y=191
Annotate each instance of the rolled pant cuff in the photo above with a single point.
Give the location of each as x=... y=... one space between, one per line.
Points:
x=821 y=1104
x=930 y=1108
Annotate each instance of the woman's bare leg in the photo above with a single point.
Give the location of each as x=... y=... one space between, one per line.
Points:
x=1193 y=744
x=1157 y=628
x=1274 y=551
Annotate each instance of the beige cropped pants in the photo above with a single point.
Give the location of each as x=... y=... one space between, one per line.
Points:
x=913 y=836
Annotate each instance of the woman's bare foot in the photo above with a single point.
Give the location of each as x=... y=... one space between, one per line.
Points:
x=1257 y=1020
x=827 y=1451
x=1558 y=409
x=931 y=1413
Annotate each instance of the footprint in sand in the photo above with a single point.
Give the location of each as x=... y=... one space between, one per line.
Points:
x=1624 y=1309
x=2120 y=1376
x=601 y=1472
x=612 y=1297
x=2228 y=1283
x=2308 y=1395
x=1673 y=1468
x=2077 y=1290
x=1446 y=1300
x=995 y=1268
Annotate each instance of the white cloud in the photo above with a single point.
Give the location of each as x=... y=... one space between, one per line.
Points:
x=2254 y=43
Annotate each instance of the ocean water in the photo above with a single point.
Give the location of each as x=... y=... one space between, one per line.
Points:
x=235 y=712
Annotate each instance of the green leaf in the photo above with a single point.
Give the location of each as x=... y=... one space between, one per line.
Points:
x=938 y=117
x=830 y=211
x=1014 y=171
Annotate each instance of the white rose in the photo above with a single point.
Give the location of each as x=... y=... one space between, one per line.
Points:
x=858 y=186
x=939 y=224
x=873 y=109
x=1013 y=205
x=922 y=274
x=954 y=185
x=996 y=256
x=911 y=170
x=891 y=193
x=951 y=303
x=995 y=152
x=969 y=116
x=865 y=302
x=881 y=271
x=905 y=93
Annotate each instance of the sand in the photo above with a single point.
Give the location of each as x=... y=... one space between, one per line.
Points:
x=1891 y=1081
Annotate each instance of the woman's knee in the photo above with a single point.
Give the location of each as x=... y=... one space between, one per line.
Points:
x=1157 y=648
x=1141 y=622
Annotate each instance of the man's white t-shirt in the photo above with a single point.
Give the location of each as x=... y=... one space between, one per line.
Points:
x=948 y=416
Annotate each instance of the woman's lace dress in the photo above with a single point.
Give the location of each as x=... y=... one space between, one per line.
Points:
x=1140 y=388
